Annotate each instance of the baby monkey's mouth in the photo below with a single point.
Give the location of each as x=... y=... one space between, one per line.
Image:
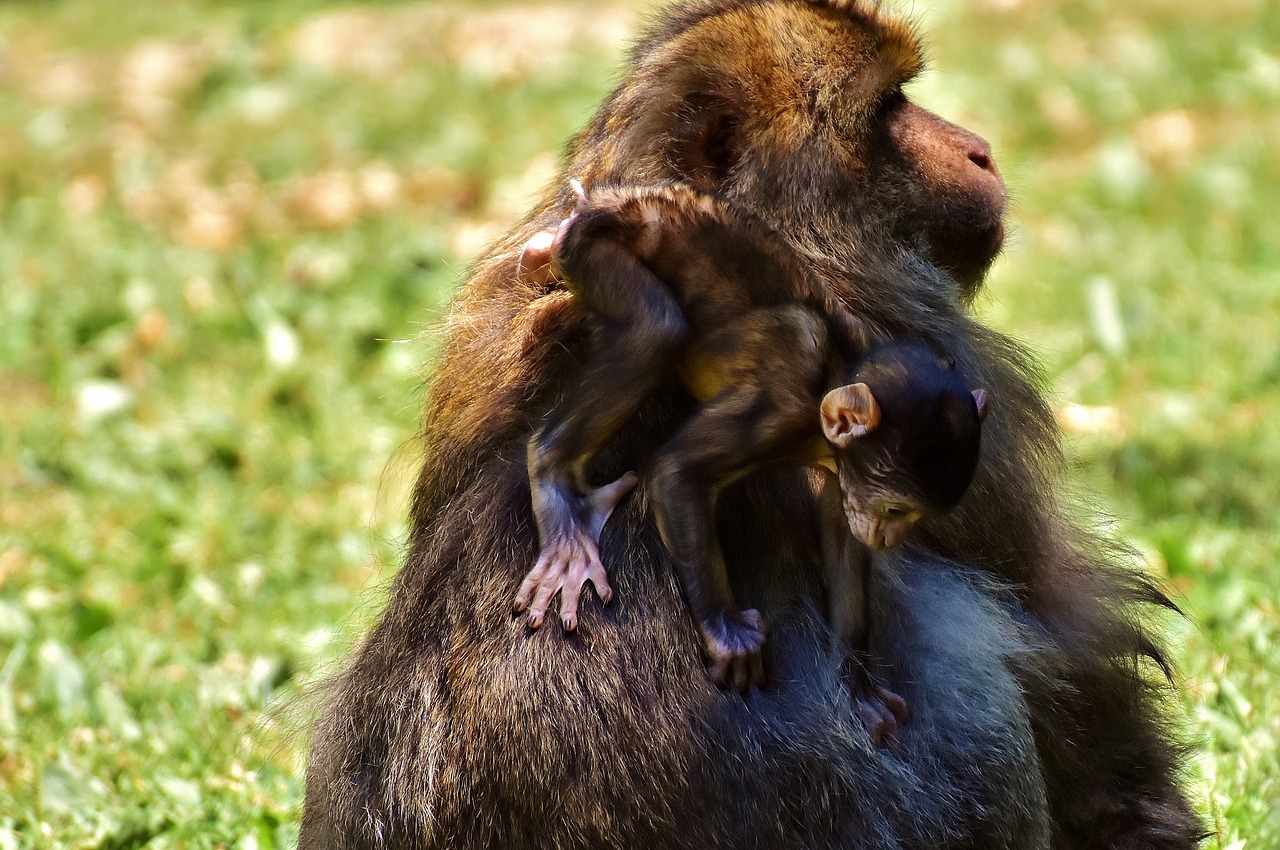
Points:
x=879 y=532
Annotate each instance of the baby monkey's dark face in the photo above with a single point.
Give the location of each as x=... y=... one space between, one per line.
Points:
x=905 y=434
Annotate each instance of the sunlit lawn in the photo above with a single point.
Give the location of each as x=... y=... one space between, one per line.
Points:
x=225 y=228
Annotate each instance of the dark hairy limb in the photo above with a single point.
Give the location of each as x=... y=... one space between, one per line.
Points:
x=727 y=437
x=639 y=334
x=763 y=413
x=848 y=566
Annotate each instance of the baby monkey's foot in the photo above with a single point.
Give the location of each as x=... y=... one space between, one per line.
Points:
x=735 y=642
x=569 y=526
x=880 y=709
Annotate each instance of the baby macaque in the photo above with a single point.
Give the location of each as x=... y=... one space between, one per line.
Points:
x=678 y=282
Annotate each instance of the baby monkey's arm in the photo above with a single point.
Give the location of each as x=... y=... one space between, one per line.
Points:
x=848 y=565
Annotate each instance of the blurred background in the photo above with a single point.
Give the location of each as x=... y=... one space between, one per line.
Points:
x=227 y=231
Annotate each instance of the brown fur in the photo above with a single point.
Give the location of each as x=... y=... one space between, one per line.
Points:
x=1036 y=722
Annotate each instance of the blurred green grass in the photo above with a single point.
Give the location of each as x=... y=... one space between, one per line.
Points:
x=225 y=227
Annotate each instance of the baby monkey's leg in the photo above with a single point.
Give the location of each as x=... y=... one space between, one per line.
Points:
x=764 y=414
x=637 y=331
x=723 y=441
x=848 y=568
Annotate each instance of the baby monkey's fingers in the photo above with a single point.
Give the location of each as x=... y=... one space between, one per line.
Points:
x=742 y=675
x=534 y=267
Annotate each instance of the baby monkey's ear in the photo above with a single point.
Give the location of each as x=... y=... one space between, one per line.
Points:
x=980 y=399
x=849 y=412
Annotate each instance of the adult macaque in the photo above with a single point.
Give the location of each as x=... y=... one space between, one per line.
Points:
x=678 y=283
x=1036 y=721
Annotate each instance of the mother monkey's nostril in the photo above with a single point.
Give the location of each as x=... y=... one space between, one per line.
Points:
x=981 y=159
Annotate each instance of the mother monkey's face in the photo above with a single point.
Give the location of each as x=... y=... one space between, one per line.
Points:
x=796 y=111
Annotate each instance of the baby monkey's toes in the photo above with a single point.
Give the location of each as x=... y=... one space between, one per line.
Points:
x=565 y=565
x=882 y=711
x=735 y=643
x=601 y=502
x=570 y=557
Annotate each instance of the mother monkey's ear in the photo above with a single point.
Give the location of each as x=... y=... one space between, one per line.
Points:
x=704 y=139
x=681 y=120
x=670 y=124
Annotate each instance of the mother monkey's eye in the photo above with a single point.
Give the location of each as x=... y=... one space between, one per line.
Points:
x=891 y=100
